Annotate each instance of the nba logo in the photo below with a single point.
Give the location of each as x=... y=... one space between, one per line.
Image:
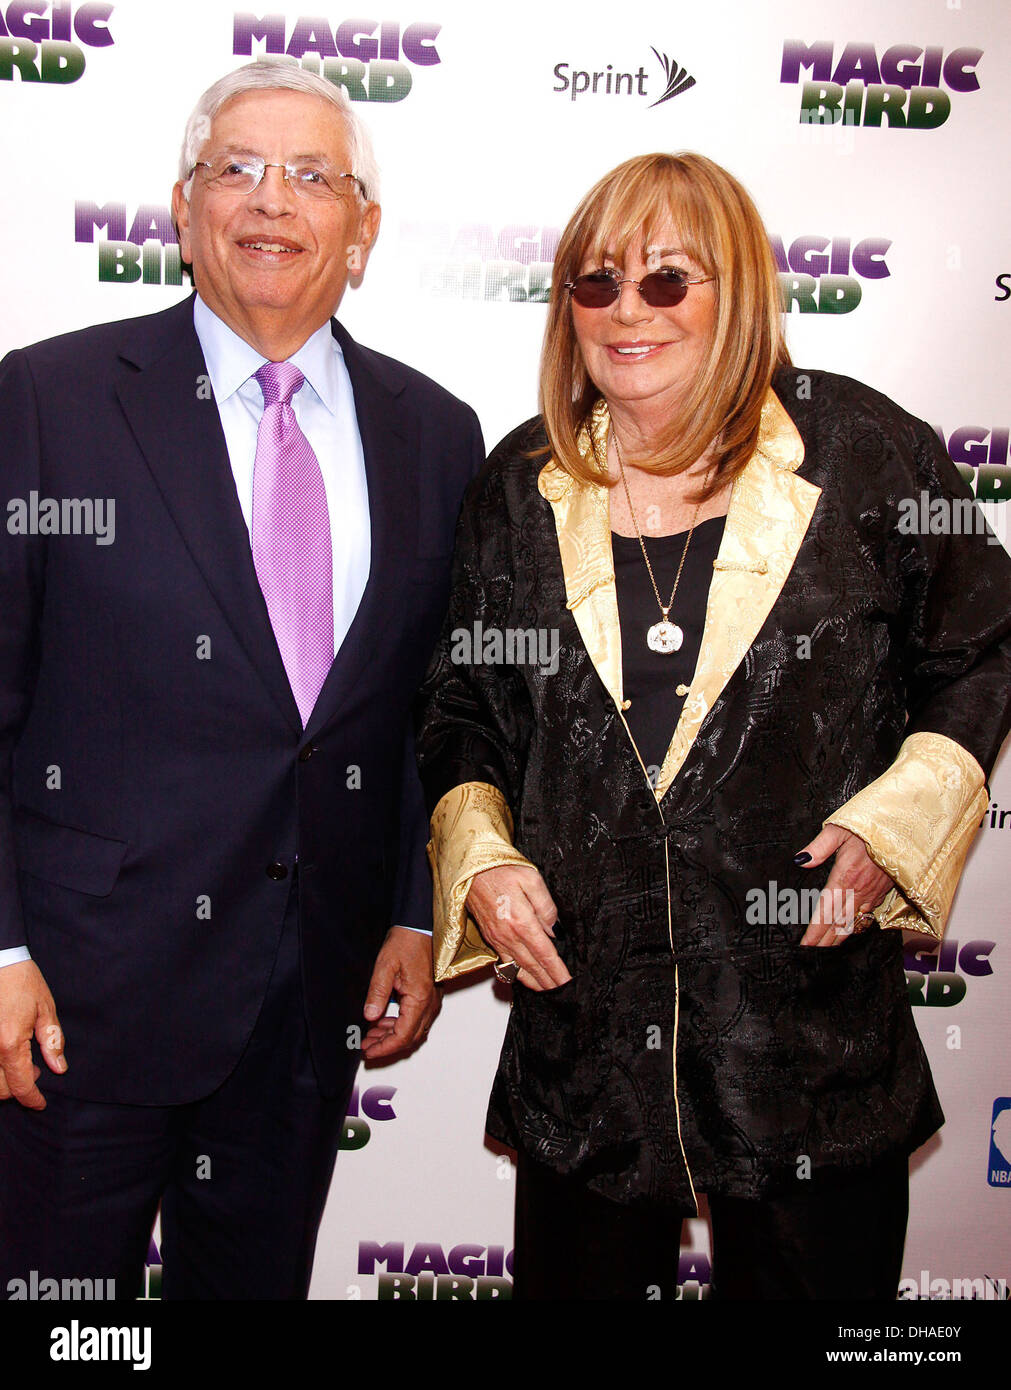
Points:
x=999 y=1166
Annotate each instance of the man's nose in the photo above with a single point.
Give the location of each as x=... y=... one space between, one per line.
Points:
x=274 y=195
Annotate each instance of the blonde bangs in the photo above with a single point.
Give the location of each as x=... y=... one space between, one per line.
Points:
x=637 y=209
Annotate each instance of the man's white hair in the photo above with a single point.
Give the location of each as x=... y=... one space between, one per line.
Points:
x=273 y=74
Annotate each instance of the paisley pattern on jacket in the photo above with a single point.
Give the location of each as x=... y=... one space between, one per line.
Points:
x=698 y=1046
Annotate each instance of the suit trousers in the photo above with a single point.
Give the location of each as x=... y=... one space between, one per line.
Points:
x=242 y=1175
x=835 y=1235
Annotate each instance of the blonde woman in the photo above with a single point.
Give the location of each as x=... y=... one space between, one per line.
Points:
x=692 y=839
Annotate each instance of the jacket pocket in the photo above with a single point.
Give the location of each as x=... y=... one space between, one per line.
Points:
x=66 y=856
x=550 y=1024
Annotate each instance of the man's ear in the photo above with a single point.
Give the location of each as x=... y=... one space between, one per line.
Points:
x=181 y=217
x=358 y=251
x=368 y=230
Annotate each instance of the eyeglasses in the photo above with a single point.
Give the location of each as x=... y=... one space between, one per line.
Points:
x=661 y=289
x=229 y=174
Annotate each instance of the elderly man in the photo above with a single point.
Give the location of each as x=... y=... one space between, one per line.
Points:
x=211 y=829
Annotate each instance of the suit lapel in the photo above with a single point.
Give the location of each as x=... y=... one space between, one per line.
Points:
x=389 y=444
x=180 y=436
x=770 y=510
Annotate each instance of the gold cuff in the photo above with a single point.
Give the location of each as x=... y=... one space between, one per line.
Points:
x=917 y=821
x=472 y=830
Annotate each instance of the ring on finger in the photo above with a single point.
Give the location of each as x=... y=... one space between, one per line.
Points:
x=856 y=924
x=507 y=970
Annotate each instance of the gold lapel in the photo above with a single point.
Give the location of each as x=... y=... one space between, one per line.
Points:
x=583 y=525
x=770 y=510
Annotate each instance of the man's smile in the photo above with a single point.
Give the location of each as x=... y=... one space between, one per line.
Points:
x=272 y=246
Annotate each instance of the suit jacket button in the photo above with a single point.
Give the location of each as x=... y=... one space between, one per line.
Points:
x=307 y=752
x=277 y=871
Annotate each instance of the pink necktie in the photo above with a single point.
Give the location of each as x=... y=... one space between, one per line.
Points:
x=291 y=538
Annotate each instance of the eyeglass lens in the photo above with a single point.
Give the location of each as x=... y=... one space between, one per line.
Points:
x=239 y=175
x=661 y=289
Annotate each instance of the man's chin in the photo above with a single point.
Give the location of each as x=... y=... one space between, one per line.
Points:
x=264 y=300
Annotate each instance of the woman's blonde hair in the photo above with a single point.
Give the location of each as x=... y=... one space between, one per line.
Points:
x=719 y=227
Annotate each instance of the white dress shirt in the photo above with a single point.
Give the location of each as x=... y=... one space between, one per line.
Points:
x=325 y=410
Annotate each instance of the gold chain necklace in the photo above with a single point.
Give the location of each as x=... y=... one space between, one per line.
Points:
x=663 y=637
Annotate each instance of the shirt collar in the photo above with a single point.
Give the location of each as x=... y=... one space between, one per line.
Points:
x=231 y=361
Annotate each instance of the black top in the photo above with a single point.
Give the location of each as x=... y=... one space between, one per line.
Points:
x=650 y=679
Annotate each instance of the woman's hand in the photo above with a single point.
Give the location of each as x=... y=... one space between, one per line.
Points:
x=855 y=885
x=513 y=908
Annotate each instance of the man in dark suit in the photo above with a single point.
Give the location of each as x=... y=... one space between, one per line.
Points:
x=211 y=828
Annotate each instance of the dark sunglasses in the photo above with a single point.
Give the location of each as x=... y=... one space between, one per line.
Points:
x=661 y=289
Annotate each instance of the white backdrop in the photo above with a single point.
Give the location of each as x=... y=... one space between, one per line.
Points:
x=483 y=161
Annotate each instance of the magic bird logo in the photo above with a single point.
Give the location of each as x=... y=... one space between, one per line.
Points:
x=940 y=979
x=139 y=247
x=610 y=81
x=907 y=87
x=37 y=41
x=426 y=1272
x=372 y=59
x=980 y=453
x=817 y=274
x=511 y=263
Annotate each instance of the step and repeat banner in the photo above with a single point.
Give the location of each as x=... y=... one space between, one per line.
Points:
x=874 y=137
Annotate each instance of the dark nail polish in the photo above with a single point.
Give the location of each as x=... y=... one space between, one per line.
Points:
x=802 y=858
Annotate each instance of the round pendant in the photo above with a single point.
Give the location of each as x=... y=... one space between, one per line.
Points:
x=664 y=638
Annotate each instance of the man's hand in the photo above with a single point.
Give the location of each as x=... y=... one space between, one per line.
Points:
x=404 y=965
x=514 y=910
x=26 y=1011
x=855 y=885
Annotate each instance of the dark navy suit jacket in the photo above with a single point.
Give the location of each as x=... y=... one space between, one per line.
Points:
x=155 y=782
